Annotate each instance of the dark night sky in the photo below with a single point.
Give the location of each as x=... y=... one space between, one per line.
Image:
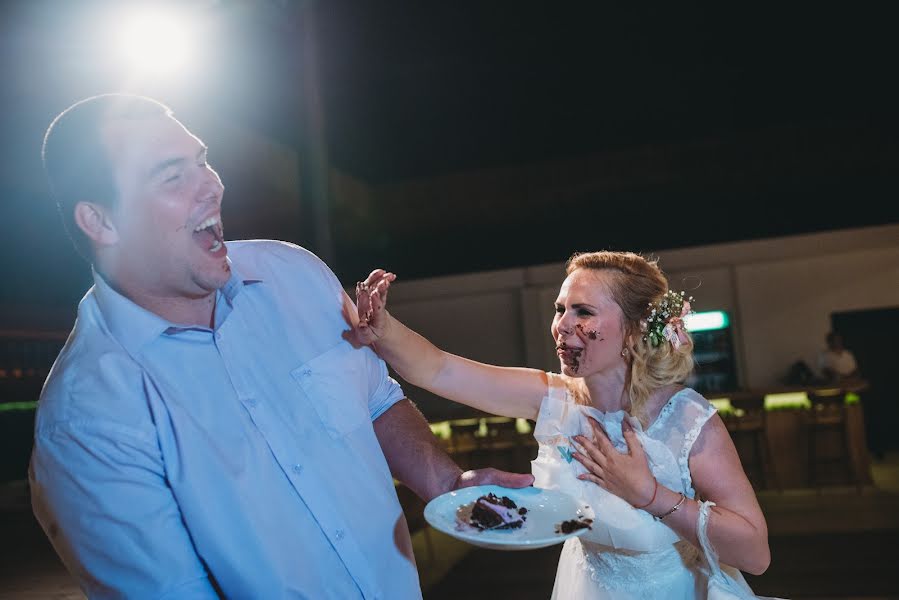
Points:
x=420 y=89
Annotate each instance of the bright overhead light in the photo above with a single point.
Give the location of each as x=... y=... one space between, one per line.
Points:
x=153 y=42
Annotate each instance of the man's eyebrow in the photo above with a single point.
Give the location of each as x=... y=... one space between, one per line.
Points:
x=171 y=162
x=162 y=166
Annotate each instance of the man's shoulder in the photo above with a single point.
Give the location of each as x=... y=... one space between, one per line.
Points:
x=265 y=258
x=93 y=378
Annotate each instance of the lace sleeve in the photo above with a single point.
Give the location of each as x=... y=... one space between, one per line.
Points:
x=701 y=413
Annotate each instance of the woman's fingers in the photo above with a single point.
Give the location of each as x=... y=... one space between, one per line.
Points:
x=600 y=436
x=588 y=462
x=371 y=295
x=634 y=446
x=593 y=478
x=374 y=277
x=590 y=450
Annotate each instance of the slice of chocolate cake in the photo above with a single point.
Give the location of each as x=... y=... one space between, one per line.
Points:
x=493 y=512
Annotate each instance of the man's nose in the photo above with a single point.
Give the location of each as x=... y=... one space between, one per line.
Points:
x=212 y=187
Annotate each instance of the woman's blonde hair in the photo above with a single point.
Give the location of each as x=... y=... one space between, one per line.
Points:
x=635 y=283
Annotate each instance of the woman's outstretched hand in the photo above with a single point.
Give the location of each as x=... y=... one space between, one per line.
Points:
x=371 y=308
x=627 y=475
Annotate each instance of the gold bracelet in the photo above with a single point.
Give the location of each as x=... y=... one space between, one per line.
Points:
x=673 y=508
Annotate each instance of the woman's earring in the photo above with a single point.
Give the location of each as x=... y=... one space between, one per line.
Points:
x=623 y=352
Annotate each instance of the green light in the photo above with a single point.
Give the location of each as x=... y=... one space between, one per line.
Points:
x=787 y=400
x=18 y=406
x=706 y=321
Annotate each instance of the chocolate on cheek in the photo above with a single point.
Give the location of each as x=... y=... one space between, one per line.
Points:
x=591 y=334
x=588 y=335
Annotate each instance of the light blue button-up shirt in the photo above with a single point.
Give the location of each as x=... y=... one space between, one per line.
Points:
x=172 y=461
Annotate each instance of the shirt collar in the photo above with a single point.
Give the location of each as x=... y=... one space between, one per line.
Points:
x=134 y=326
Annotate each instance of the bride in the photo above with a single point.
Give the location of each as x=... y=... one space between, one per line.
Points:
x=676 y=516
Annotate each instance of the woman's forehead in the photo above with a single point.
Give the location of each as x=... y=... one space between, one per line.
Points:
x=589 y=286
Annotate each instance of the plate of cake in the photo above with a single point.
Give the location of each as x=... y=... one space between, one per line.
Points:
x=501 y=518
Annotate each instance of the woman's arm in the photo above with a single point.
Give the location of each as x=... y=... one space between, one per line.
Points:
x=506 y=391
x=737 y=528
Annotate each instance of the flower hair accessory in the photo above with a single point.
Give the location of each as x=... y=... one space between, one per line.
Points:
x=666 y=320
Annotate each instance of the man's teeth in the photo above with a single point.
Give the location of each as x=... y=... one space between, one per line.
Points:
x=216 y=246
x=207 y=223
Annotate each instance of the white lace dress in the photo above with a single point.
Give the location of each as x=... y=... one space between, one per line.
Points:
x=628 y=554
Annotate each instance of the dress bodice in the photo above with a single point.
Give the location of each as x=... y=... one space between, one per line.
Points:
x=666 y=442
x=628 y=554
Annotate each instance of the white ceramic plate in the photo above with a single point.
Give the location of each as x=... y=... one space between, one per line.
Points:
x=546 y=510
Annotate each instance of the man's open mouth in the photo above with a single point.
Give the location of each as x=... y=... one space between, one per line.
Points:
x=209 y=234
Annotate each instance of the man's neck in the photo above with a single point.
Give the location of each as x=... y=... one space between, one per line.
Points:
x=190 y=311
x=199 y=312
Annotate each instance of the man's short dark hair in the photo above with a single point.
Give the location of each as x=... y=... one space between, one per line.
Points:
x=75 y=157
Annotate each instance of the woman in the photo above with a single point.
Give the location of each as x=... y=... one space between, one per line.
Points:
x=616 y=429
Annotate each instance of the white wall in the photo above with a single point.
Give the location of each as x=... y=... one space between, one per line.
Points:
x=786 y=305
x=779 y=293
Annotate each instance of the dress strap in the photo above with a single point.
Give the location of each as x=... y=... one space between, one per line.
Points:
x=722 y=585
x=556 y=388
x=702 y=532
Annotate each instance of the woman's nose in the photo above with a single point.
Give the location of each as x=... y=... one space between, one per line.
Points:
x=565 y=327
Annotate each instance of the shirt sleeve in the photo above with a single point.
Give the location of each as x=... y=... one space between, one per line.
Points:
x=383 y=390
x=99 y=491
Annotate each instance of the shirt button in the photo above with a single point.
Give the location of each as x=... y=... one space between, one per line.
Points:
x=338 y=535
x=218 y=335
x=251 y=401
x=307 y=372
x=298 y=468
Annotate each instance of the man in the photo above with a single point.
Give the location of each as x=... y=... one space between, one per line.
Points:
x=206 y=430
x=836 y=362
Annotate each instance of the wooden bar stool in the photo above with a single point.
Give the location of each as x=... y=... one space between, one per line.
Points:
x=748 y=421
x=827 y=418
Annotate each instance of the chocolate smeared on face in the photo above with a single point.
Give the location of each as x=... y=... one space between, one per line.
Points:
x=592 y=334
x=570 y=356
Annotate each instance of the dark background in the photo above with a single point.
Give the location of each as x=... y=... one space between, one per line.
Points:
x=725 y=123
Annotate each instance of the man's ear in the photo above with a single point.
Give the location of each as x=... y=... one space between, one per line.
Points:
x=93 y=219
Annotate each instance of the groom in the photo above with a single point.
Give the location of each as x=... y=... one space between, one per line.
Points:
x=206 y=431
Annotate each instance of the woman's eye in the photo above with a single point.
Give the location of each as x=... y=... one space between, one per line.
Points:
x=172 y=178
x=560 y=309
x=584 y=313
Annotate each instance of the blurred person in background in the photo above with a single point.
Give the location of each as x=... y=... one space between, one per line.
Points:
x=836 y=362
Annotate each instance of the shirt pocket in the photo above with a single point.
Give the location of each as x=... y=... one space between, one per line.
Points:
x=336 y=385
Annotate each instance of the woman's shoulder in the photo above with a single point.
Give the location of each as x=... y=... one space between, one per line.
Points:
x=685 y=410
x=562 y=387
x=689 y=397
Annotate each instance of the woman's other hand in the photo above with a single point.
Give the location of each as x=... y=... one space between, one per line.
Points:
x=627 y=475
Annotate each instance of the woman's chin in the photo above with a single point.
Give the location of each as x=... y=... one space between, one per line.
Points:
x=569 y=370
